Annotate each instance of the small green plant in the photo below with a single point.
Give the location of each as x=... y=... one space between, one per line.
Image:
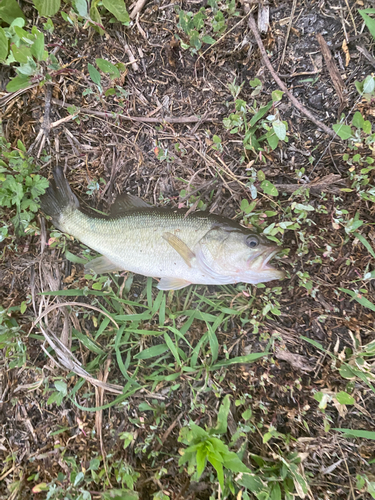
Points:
x=11 y=343
x=257 y=181
x=217 y=145
x=193 y=199
x=340 y=399
x=365 y=484
x=162 y=153
x=252 y=129
x=26 y=49
x=192 y=25
x=361 y=173
x=359 y=130
x=20 y=187
x=369 y=21
x=207 y=446
x=157 y=408
x=280 y=477
x=90 y=13
x=59 y=394
x=211 y=19
x=112 y=70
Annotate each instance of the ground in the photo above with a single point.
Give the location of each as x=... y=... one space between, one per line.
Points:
x=317 y=373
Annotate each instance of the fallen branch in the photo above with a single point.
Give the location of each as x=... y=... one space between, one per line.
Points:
x=281 y=84
x=140 y=119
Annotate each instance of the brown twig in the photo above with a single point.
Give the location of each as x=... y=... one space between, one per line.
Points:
x=329 y=183
x=333 y=72
x=288 y=32
x=168 y=431
x=128 y=51
x=132 y=59
x=45 y=128
x=140 y=119
x=137 y=8
x=281 y=84
x=366 y=54
x=351 y=16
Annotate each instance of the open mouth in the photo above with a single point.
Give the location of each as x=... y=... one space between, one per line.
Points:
x=261 y=262
x=271 y=254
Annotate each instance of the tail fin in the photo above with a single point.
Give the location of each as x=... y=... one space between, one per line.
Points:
x=58 y=198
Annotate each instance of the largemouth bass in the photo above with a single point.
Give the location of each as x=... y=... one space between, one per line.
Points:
x=200 y=248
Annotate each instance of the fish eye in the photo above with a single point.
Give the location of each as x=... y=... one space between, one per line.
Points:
x=252 y=241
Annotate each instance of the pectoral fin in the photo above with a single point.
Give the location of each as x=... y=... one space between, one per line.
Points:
x=101 y=265
x=180 y=247
x=172 y=284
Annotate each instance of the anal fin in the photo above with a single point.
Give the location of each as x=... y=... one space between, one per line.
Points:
x=172 y=284
x=101 y=265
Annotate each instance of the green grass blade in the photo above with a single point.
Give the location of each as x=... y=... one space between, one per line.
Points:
x=359 y=298
x=357 y=433
x=249 y=358
x=365 y=243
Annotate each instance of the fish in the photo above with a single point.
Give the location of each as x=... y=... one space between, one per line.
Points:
x=178 y=248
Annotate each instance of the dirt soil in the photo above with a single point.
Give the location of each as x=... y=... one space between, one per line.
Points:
x=122 y=155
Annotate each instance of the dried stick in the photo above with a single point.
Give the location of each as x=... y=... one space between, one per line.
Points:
x=288 y=32
x=292 y=99
x=44 y=130
x=131 y=57
x=140 y=119
x=128 y=52
x=137 y=8
x=334 y=73
x=366 y=54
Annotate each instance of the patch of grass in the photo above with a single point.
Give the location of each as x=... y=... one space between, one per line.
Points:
x=150 y=345
x=77 y=484
x=354 y=364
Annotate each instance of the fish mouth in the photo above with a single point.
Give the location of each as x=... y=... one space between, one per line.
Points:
x=261 y=262
x=271 y=254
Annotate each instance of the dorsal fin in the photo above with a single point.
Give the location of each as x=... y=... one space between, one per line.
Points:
x=125 y=202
